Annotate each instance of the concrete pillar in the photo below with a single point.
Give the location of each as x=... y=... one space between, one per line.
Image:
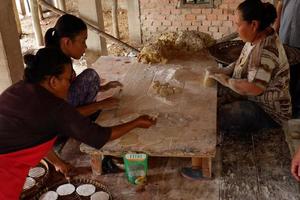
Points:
x=11 y=63
x=114 y=14
x=134 y=21
x=34 y=7
x=60 y=4
x=17 y=18
x=91 y=10
x=21 y=7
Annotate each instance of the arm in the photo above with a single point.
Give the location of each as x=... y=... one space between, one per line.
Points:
x=59 y=165
x=295 y=167
x=228 y=70
x=140 y=122
x=110 y=85
x=106 y=104
x=240 y=86
x=279 y=13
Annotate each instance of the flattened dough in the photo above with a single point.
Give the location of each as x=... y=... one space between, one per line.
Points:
x=100 y=196
x=65 y=189
x=86 y=190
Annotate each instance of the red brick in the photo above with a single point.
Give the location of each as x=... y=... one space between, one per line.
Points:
x=225 y=6
x=186 y=23
x=211 y=17
x=190 y=17
x=224 y=29
x=157 y=23
x=228 y=23
x=159 y=17
x=222 y=17
x=176 y=11
x=201 y=17
x=196 y=11
x=217 y=11
x=197 y=23
x=206 y=23
x=213 y=29
x=193 y=28
x=206 y=11
x=162 y=28
x=216 y=23
x=203 y=28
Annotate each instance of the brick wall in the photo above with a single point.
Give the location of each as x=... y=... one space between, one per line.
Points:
x=158 y=16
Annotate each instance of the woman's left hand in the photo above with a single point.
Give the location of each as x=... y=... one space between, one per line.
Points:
x=221 y=78
x=114 y=84
x=65 y=168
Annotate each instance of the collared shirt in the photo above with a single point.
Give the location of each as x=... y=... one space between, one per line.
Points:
x=289 y=31
x=265 y=65
x=30 y=115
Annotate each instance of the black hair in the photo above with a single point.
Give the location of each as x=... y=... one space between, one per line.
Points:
x=46 y=62
x=265 y=13
x=66 y=26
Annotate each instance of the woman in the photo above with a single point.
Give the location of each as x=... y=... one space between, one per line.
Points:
x=69 y=36
x=255 y=92
x=34 y=112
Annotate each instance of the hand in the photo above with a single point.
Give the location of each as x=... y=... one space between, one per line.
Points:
x=110 y=103
x=145 y=121
x=221 y=78
x=213 y=70
x=113 y=84
x=65 y=168
x=295 y=167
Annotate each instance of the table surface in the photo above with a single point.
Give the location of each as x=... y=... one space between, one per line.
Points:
x=186 y=122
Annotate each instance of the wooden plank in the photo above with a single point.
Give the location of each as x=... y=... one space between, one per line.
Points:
x=96 y=164
x=206 y=167
x=191 y=114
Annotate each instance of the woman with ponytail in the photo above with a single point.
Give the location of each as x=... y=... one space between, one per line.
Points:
x=28 y=131
x=254 y=92
x=69 y=36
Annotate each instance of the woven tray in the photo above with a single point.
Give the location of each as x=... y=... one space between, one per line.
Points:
x=228 y=52
x=74 y=196
x=40 y=181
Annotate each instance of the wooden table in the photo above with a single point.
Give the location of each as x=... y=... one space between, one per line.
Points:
x=186 y=123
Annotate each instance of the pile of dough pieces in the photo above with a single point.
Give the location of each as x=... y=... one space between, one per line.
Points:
x=170 y=43
x=165 y=89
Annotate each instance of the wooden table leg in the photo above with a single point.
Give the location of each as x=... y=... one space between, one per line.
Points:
x=204 y=164
x=96 y=163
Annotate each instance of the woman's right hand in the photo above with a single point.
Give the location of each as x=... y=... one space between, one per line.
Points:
x=213 y=70
x=145 y=121
x=295 y=166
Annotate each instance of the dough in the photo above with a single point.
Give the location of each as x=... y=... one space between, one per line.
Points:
x=65 y=189
x=86 y=190
x=29 y=183
x=36 y=172
x=100 y=196
x=50 y=195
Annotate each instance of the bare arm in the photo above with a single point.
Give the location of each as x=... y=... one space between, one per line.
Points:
x=295 y=166
x=140 y=122
x=240 y=86
x=228 y=70
x=279 y=13
x=59 y=165
x=91 y=108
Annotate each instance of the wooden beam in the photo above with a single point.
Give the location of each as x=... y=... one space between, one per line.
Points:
x=36 y=22
x=96 y=163
x=17 y=18
x=114 y=13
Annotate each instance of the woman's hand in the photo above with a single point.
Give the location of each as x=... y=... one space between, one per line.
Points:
x=295 y=167
x=221 y=78
x=214 y=70
x=65 y=168
x=145 y=121
x=113 y=84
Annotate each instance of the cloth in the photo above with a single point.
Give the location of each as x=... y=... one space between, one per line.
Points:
x=42 y=118
x=84 y=88
x=239 y=115
x=265 y=64
x=15 y=166
x=290 y=23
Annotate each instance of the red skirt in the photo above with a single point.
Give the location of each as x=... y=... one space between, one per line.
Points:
x=14 y=168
